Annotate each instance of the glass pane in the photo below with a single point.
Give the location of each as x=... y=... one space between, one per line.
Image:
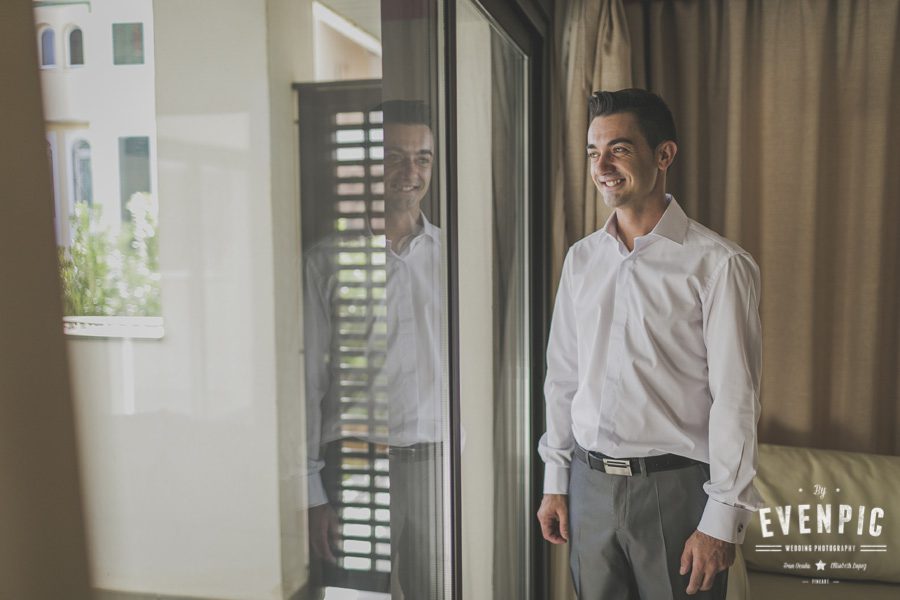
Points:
x=493 y=296
x=374 y=303
x=101 y=128
x=288 y=436
x=134 y=169
x=48 y=48
x=128 y=43
x=81 y=172
x=76 y=47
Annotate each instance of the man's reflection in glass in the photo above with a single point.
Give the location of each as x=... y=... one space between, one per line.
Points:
x=402 y=338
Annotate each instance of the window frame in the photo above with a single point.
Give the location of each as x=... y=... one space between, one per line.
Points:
x=140 y=25
x=73 y=170
x=42 y=55
x=68 y=40
x=529 y=25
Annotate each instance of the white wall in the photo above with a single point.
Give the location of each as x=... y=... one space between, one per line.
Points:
x=189 y=453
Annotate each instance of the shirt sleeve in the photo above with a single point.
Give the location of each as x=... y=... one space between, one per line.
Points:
x=733 y=336
x=317 y=342
x=557 y=444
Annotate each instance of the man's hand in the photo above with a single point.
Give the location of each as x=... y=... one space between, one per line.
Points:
x=705 y=556
x=323 y=531
x=554 y=518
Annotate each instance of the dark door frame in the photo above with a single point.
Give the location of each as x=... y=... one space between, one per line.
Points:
x=529 y=23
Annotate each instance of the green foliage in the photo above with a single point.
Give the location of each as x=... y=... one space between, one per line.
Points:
x=104 y=274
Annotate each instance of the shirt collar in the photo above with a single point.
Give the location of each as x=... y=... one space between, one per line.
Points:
x=429 y=229
x=672 y=225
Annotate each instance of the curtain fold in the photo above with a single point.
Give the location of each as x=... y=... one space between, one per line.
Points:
x=786 y=118
x=591 y=51
x=785 y=115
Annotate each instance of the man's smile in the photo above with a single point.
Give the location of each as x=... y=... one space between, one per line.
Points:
x=611 y=183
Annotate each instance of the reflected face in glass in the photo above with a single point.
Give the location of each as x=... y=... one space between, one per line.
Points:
x=623 y=165
x=408 y=158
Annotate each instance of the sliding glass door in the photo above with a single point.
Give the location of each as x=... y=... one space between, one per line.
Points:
x=493 y=211
x=297 y=244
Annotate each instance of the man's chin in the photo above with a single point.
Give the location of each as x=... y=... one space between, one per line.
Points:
x=613 y=200
x=401 y=203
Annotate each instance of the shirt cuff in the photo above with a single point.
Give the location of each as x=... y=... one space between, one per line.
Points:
x=724 y=522
x=315 y=490
x=556 y=479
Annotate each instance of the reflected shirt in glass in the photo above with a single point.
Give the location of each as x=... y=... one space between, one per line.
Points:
x=393 y=397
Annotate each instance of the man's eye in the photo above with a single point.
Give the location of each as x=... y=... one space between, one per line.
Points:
x=423 y=162
x=620 y=150
x=593 y=155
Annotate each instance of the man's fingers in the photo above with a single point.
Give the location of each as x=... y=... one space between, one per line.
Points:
x=548 y=529
x=323 y=529
x=696 y=577
x=709 y=578
x=686 y=558
x=553 y=515
x=327 y=554
x=563 y=515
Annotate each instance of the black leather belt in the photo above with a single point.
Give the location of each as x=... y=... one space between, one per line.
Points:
x=632 y=466
x=415 y=452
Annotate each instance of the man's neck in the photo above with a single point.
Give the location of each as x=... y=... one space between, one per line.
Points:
x=399 y=226
x=636 y=220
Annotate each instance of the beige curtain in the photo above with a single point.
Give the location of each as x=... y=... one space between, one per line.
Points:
x=591 y=51
x=786 y=115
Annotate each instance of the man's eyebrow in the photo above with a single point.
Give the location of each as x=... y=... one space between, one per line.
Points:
x=620 y=140
x=390 y=148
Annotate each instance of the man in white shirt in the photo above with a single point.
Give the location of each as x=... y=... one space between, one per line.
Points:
x=397 y=400
x=653 y=371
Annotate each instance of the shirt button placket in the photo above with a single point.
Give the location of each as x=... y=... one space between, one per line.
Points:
x=616 y=348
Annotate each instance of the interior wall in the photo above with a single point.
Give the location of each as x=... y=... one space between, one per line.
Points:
x=291 y=52
x=42 y=549
x=339 y=57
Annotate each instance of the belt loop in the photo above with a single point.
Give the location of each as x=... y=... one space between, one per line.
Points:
x=643 y=464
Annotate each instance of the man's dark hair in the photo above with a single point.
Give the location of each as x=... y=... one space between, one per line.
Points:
x=653 y=116
x=406 y=112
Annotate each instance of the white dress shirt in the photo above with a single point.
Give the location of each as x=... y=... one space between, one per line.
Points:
x=657 y=351
x=399 y=329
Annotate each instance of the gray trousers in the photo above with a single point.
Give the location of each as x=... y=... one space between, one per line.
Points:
x=627 y=534
x=417 y=550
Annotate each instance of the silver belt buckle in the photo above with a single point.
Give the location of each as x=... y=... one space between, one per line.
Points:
x=615 y=466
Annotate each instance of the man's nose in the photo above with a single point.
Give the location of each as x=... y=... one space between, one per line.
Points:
x=604 y=162
x=408 y=166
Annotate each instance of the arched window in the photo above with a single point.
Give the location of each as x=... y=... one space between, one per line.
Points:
x=76 y=47
x=82 y=183
x=48 y=48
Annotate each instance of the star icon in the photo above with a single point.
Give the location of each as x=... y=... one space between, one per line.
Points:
x=820 y=566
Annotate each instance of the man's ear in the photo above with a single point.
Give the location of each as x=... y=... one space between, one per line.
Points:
x=665 y=154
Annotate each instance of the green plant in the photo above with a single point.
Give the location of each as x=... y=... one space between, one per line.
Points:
x=108 y=274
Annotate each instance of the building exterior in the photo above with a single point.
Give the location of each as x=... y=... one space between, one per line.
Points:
x=97 y=72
